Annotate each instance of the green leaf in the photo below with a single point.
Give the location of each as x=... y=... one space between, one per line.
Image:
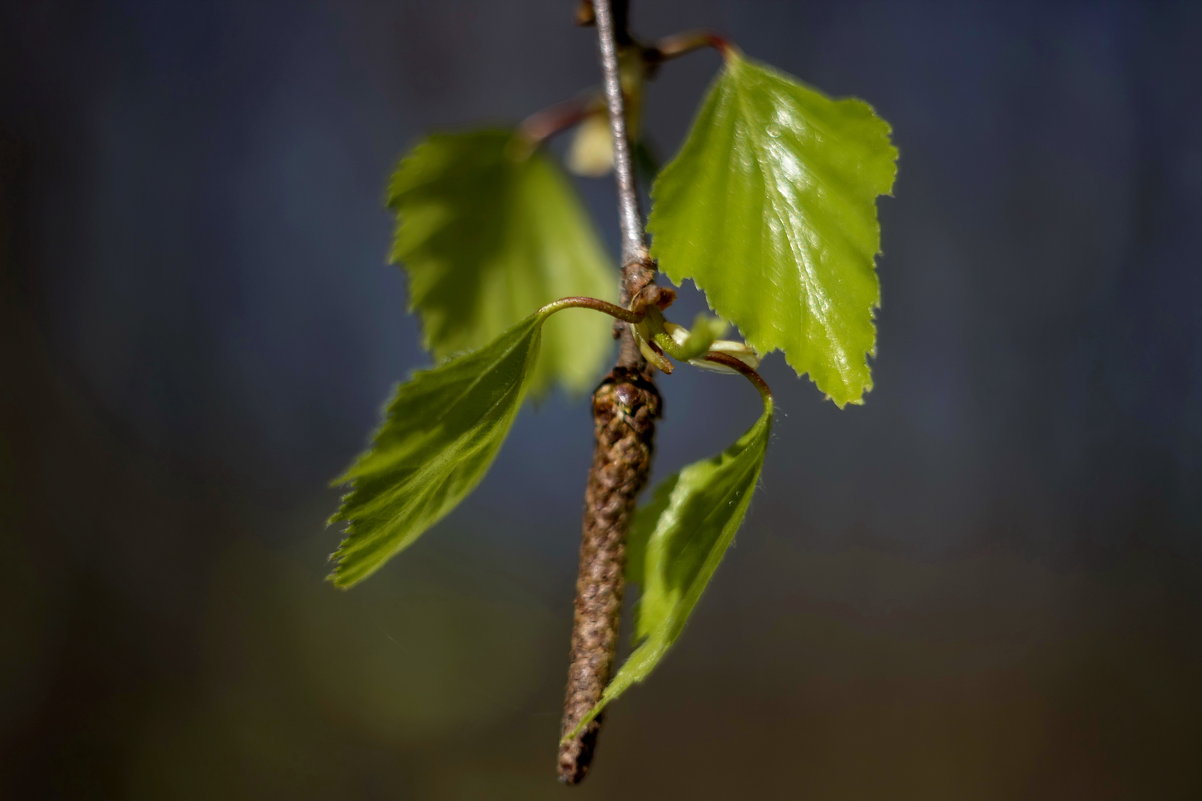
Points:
x=677 y=541
x=487 y=232
x=440 y=434
x=770 y=207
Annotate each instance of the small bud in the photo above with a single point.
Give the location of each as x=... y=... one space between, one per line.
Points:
x=651 y=352
x=592 y=150
x=691 y=343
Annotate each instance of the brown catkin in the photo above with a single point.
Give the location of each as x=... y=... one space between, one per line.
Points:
x=625 y=407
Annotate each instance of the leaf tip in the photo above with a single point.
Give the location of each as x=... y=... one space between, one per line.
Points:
x=338 y=576
x=850 y=399
x=334 y=577
x=334 y=580
x=589 y=717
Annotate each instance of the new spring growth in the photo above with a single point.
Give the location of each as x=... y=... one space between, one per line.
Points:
x=658 y=338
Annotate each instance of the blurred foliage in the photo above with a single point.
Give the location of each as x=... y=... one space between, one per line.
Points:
x=489 y=231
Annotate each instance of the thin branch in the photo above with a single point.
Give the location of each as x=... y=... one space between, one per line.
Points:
x=638 y=271
x=625 y=408
x=634 y=241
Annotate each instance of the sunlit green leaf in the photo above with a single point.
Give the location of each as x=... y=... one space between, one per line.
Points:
x=488 y=231
x=440 y=434
x=770 y=207
x=677 y=541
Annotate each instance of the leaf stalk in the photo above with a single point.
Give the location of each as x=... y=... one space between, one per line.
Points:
x=746 y=370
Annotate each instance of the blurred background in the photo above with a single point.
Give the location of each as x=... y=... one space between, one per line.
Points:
x=983 y=584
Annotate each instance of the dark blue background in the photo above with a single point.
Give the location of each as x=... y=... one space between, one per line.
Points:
x=982 y=584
